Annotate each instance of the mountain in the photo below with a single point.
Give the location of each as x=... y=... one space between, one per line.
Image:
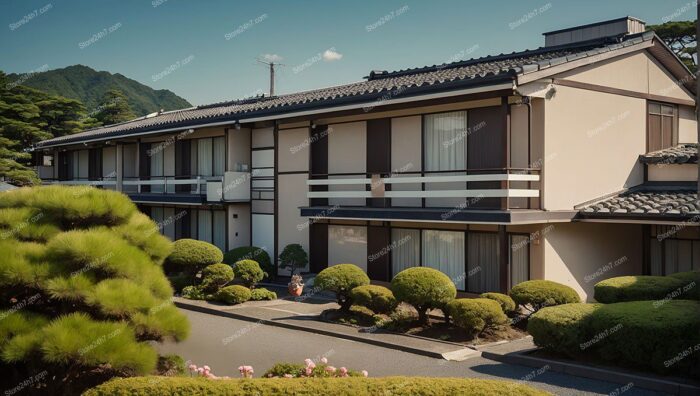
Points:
x=88 y=85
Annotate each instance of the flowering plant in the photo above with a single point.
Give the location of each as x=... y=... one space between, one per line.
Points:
x=311 y=370
x=296 y=282
x=204 y=371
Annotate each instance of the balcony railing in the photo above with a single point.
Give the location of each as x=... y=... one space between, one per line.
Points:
x=503 y=183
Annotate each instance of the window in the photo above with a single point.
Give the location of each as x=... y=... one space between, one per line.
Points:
x=519 y=259
x=347 y=245
x=209 y=158
x=483 y=262
x=444 y=251
x=406 y=249
x=672 y=250
x=208 y=226
x=445 y=141
x=662 y=130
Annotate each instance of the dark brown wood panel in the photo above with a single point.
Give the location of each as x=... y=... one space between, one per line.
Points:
x=95 y=163
x=318 y=247
x=379 y=153
x=183 y=163
x=486 y=148
x=378 y=258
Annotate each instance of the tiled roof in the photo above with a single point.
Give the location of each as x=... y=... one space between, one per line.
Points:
x=436 y=78
x=686 y=153
x=647 y=202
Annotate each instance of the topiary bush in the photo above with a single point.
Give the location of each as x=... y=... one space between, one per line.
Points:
x=82 y=292
x=250 y=253
x=507 y=304
x=259 y=294
x=235 y=294
x=563 y=328
x=341 y=279
x=424 y=288
x=351 y=386
x=476 y=314
x=378 y=299
x=192 y=255
x=691 y=287
x=215 y=276
x=640 y=288
x=249 y=272
x=639 y=334
x=535 y=294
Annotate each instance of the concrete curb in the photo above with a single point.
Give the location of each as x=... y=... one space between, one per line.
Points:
x=404 y=348
x=579 y=370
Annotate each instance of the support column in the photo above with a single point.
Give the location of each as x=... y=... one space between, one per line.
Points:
x=505 y=112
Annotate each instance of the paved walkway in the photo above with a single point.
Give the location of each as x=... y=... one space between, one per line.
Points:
x=225 y=343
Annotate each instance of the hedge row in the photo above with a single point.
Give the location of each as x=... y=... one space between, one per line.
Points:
x=355 y=386
x=644 y=334
x=683 y=285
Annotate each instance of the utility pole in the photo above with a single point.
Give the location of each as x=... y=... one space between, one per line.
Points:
x=271 y=65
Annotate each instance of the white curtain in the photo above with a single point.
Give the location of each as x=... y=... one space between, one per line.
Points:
x=445 y=141
x=220 y=229
x=405 y=251
x=219 y=156
x=157 y=216
x=671 y=253
x=204 y=154
x=444 y=251
x=169 y=223
x=156 y=166
x=483 y=262
x=519 y=259
x=204 y=226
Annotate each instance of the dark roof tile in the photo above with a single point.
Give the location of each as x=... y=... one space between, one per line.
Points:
x=657 y=201
x=686 y=153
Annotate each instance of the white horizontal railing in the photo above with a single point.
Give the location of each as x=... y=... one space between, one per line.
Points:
x=82 y=182
x=166 y=181
x=377 y=187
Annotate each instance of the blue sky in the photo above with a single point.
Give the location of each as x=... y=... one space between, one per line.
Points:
x=205 y=51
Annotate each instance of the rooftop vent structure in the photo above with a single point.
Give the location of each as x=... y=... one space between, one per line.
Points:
x=611 y=28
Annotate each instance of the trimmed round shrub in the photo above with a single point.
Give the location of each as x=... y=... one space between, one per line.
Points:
x=341 y=279
x=249 y=272
x=691 y=287
x=536 y=294
x=507 y=303
x=563 y=328
x=476 y=314
x=235 y=294
x=193 y=255
x=636 y=288
x=250 y=253
x=351 y=386
x=82 y=291
x=259 y=294
x=216 y=276
x=193 y=293
x=378 y=299
x=424 y=288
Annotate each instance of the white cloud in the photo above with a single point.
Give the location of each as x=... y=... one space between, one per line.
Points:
x=331 y=55
x=272 y=57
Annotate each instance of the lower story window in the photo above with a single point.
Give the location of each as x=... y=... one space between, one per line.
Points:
x=347 y=245
x=673 y=250
x=473 y=266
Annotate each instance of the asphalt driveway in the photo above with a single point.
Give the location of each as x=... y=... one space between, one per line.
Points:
x=225 y=343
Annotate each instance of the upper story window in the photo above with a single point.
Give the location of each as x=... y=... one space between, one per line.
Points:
x=209 y=156
x=662 y=126
x=445 y=141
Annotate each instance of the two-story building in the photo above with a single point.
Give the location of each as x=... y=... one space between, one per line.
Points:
x=573 y=162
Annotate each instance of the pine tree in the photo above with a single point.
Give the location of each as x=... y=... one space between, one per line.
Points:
x=114 y=108
x=680 y=36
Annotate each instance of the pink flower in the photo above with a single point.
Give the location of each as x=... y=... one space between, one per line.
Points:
x=308 y=370
x=200 y=370
x=324 y=360
x=310 y=363
x=365 y=373
x=193 y=367
x=330 y=369
x=288 y=376
x=206 y=368
x=343 y=372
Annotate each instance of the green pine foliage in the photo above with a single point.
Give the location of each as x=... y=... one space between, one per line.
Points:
x=341 y=279
x=82 y=292
x=193 y=255
x=249 y=272
x=424 y=288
